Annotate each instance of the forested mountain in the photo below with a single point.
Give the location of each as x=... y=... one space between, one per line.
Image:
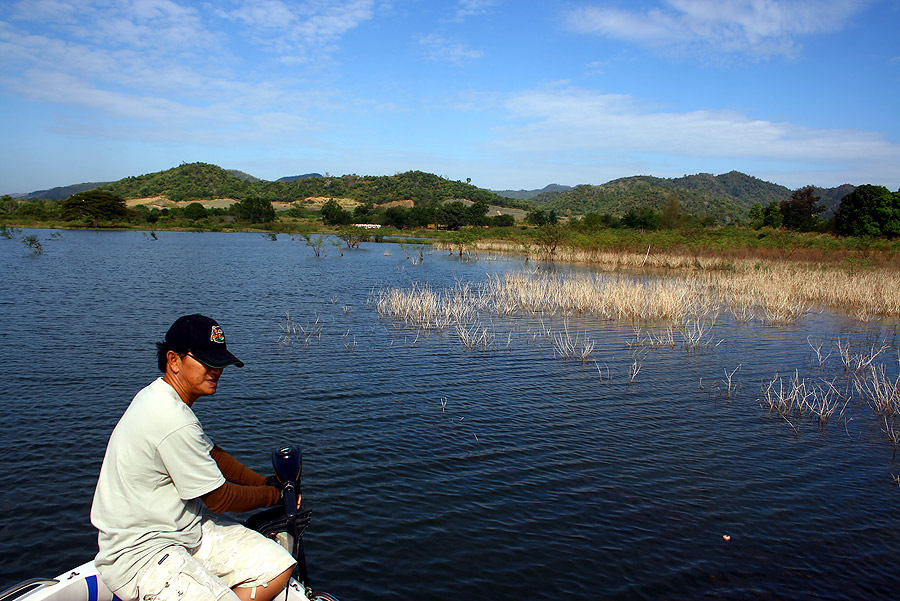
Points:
x=62 y=192
x=831 y=197
x=727 y=197
x=201 y=181
x=293 y=178
x=244 y=176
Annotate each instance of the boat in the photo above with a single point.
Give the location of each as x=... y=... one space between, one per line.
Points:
x=83 y=584
x=285 y=524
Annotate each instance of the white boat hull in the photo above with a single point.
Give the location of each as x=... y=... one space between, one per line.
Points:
x=84 y=584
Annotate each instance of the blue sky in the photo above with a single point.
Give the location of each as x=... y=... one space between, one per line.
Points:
x=514 y=94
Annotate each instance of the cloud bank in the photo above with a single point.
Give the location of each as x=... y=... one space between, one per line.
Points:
x=761 y=28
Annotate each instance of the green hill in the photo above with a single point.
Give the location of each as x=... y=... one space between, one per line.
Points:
x=202 y=181
x=727 y=197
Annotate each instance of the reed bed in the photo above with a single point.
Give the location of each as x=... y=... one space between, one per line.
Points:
x=608 y=296
x=799 y=397
x=677 y=312
x=475 y=336
x=297 y=332
x=881 y=391
x=691 y=305
x=423 y=307
x=572 y=347
x=779 y=290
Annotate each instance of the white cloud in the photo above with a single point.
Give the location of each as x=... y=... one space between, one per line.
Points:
x=758 y=27
x=164 y=68
x=163 y=26
x=590 y=127
x=470 y=8
x=300 y=32
x=452 y=51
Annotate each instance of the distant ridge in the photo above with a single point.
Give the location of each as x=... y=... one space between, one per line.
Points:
x=526 y=194
x=295 y=178
x=61 y=192
x=726 y=198
x=831 y=197
x=243 y=176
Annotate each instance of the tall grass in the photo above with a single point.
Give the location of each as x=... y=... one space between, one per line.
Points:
x=781 y=288
x=691 y=304
x=798 y=397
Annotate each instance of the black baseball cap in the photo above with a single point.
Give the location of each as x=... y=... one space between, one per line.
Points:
x=203 y=338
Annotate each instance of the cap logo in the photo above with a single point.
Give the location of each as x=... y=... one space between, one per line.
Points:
x=217 y=335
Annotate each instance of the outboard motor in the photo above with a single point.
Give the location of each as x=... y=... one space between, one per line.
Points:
x=287 y=462
x=287 y=523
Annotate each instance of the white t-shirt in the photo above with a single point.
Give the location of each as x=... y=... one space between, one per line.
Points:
x=156 y=466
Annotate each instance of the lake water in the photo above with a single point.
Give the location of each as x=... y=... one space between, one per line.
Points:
x=439 y=472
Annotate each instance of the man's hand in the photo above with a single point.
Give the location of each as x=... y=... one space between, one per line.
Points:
x=281 y=486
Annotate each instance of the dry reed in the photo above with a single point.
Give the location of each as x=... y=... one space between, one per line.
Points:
x=784 y=289
x=798 y=397
x=572 y=347
x=295 y=332
x=882 y=392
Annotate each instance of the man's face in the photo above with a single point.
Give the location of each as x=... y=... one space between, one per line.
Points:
x=194 y=379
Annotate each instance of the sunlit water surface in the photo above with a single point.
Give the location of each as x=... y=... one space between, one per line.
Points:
x=439 y=472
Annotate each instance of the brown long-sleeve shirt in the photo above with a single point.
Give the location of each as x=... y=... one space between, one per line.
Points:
x=243 y=490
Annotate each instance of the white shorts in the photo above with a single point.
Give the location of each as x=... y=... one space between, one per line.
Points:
x=229 y=555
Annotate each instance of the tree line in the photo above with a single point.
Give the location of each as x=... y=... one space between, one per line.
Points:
x=95 y=207
x=868 y=211
x=871 y=211
x=450 y=215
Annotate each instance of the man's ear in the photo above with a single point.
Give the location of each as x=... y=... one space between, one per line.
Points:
x=172 y=362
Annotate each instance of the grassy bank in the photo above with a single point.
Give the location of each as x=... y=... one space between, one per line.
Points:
x=680 y=248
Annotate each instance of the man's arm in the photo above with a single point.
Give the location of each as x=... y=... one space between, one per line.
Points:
x=235 y=471
x=234 y=498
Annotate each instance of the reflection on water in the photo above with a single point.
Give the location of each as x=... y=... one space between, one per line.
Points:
x=437 y=471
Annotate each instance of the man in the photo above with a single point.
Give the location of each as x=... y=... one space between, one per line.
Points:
x=160 y=469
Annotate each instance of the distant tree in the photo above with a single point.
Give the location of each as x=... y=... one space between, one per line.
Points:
x=552 y=217
x=33 y=243
x=540 y=217
x=352 y=236
x=549 y=237
x=94 y=205
x=643 y=218
x=8 y=204
x=596 y=221
x=421 y=216
x=671 y=215
x=536 y=217
x=476 y=214
x=254 y=210
x=802 y=211
x=755 y=216
x=397 y=217
x=503 y=220
x=770 y=216
x=869 y=211
x=362 y=212
x=194 y=211
x=334 y=214
x=452 y=215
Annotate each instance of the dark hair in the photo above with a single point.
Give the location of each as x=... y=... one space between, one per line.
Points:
x=162 y=349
